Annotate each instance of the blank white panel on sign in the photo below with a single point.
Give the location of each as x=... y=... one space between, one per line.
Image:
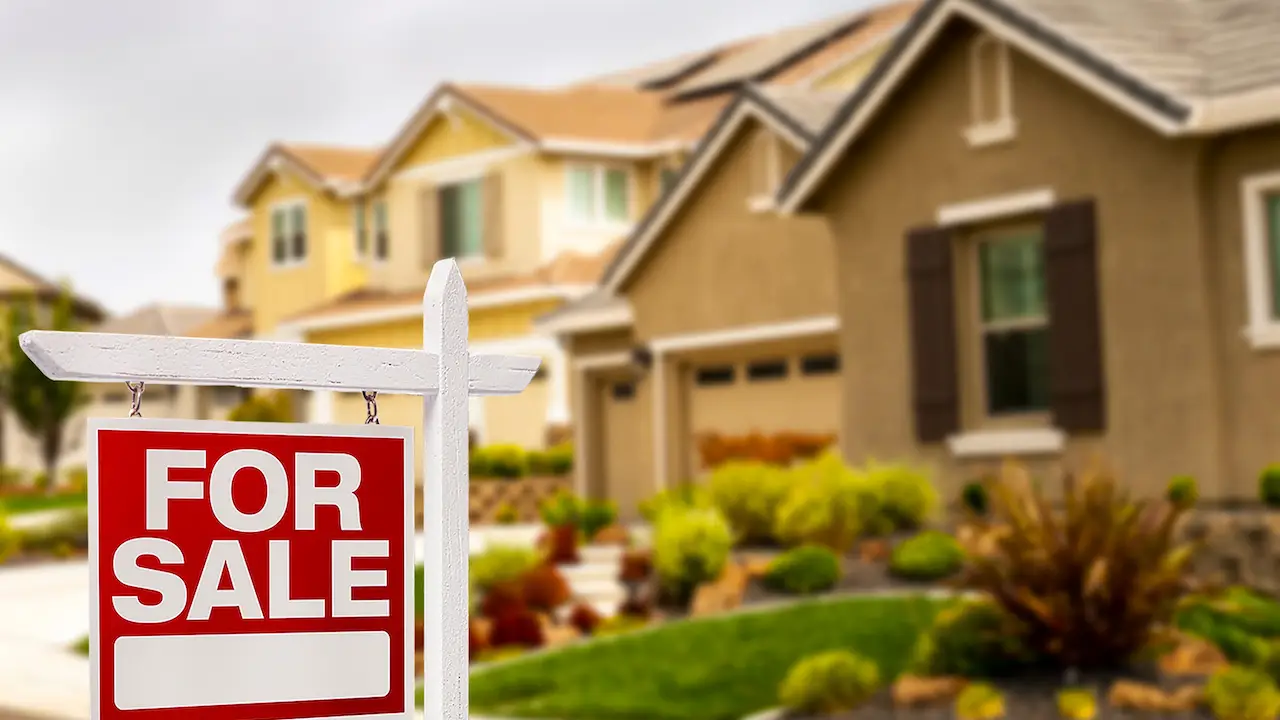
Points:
x=170 y=671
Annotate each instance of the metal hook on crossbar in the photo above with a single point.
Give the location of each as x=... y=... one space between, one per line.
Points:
x=136 y=390
x=370 y=407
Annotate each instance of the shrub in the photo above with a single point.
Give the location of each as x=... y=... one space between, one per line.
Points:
x=974 y=497
x=509 y=462
x=690 y=547
x=779 y=449
x=596 y=516
x=971 y=639
x=77 y=479
x=11 y=480
x=1077 y=704
x=680 y=497
x=826 y=505
x=10 y=541
x=502 y=599
x=829 y=683
x=61 y=537
x=477 y=643
x=560 y=543
x=620 y=624
x=980 y=701
x=748 y=493
x=907 y=496
x=501 y=563
x=1093 y=601
x=554 y=461
x=584 y=618
x=804 y=570
x=636 y=566
x=928 y=556
x=1238 y=642
x=517 y=628
x=506 y=514
x=544 y=588
x=264 y=407
x=1183 y=491
x=1269 y=486
x=1239 y=693
x=563 y=509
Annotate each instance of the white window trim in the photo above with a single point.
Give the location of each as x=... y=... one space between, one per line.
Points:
x=764 y=201
x=996 y=208
x=289 y=261
x=981 y=131
x=995 y=443
x=599 y=172
x=1262 y=330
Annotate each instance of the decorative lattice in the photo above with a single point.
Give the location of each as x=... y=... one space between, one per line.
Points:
x=489 y=497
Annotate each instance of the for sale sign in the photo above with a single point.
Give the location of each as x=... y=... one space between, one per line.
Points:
x=251 y=570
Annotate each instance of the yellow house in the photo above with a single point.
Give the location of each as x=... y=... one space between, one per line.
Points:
x=530 y=190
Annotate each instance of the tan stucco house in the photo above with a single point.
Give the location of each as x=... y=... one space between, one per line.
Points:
x=717 y=315
x=1056 y=233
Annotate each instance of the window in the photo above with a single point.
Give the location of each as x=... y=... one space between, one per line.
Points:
x=990 y=93
x=767 y=370
x=721 y=375
x=1261 y=205
x=1272 y=205
x=820 y=364
x=360 y=223
x=289 y=233
x=231 y=293
x=381 y=232
x=668 y=178
x=461 y=220
x=598 y=194
x=1014 y=323
x=623 y=391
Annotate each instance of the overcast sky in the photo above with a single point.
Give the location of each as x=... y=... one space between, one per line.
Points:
x=125 y=124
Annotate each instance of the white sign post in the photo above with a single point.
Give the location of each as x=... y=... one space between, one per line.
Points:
x=444 y=373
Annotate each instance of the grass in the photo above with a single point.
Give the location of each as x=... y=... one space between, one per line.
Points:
x=718 y=668
x=81 y=646
x=36 y=502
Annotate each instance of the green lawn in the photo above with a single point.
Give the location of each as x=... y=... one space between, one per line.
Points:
x=35 y=502
x=718 y=668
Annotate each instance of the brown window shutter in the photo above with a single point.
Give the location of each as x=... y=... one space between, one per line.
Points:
x=493 y=223
x=429 y=219
x=933 y=333
x=1077 y=382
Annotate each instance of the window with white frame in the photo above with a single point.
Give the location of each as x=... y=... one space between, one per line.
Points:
x=1013 y=322
x=990 y=92
x=289 y=233
x=1261 y=205
x=599 y=194
x=381 y=231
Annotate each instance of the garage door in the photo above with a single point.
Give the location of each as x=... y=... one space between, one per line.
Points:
x=625 y=428
x=767 y=394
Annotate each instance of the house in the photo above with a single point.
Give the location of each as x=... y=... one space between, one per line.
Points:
x=531 y=190
x=19 y=450
x=717 y=315
x=1056 y=232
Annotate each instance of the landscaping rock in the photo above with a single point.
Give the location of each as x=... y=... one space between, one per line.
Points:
x=756 y=564
x=557 y=635
x=725 y=593
x=1192 y=657
x=874 y=551
x=612 y=535
x=915 y=691
x=1130 y=695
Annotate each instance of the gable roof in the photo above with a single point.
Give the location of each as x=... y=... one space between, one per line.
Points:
x=327 y=168
x=159 y=319
x=45 y=289
x=793 y=114
x=1179 y=66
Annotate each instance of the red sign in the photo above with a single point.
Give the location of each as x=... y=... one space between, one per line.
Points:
x=251 y=570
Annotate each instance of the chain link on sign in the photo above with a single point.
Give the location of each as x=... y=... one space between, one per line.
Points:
x=135 y=404
x=370 y=408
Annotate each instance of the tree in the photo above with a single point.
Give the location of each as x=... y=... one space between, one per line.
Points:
x=275 y=406
x=42 y=406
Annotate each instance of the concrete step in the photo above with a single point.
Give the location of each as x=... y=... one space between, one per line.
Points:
x=589 y=571
x=601 y=553
x=598 y=589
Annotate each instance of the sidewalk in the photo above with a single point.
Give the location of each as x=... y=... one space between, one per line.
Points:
x=43 y=610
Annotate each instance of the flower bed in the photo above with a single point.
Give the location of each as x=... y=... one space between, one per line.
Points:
x=509 y=484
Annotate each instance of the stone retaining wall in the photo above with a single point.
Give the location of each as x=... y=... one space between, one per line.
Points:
x=1239 y=546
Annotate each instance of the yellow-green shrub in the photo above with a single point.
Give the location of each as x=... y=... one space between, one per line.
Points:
x=749 y=494
x=500 y=461
x=825 y=506
x=1240 y=693
x=690 y=547
x=829 y=683
x=679 y=497
x=907 y=496
x=501 y=563
x=980 y=701
x=10 y=541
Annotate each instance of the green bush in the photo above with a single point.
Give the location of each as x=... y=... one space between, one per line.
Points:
x=690 y=547
x=829 y=683
x=10 y=541
x=508 y=462
x=1239 y=693
x=748 y=494
x=1183 y=491
x=264 y=407
x=1236 y=634
x=980 y=701
x=680 y=497
x=907 y=496
x=501 y=563
x=829 y=505
x=1269 y=486
x=555 y=461
x=928 y=556
x=972 y=639
x=974 y=497
x=804 y=570
x=68 y=533
x=596 y=516
x=564 y=508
